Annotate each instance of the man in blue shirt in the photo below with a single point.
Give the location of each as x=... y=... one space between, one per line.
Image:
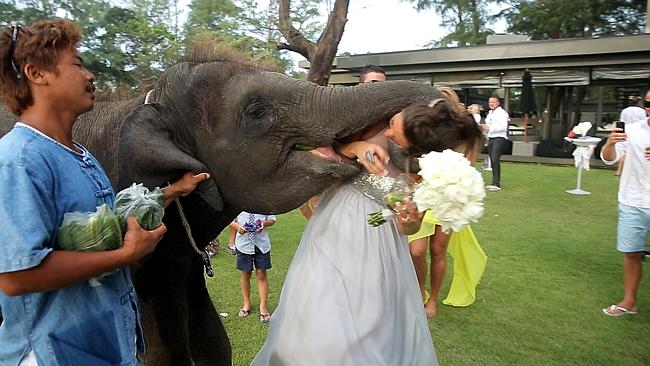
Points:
x=52 y=315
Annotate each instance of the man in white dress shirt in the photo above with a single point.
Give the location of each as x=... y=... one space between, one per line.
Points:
x=496 y=126
x=633 y=228
x=632 y=114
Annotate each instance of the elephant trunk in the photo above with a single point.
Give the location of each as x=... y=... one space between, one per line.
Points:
x=347 y=110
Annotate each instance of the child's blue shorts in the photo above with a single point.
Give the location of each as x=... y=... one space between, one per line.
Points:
x=261 y=260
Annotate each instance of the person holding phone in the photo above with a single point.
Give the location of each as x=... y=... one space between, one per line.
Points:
x=633 y=204
x=634 y=112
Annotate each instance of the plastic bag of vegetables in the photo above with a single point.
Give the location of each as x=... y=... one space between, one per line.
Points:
x=90 y=231
x=146 y=206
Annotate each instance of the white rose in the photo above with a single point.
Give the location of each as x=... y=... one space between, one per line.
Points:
x=451 y=188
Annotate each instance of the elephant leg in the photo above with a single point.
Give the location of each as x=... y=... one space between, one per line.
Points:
x=209 y=343
x=164 y=305
x=170 y=311
x=156 y=353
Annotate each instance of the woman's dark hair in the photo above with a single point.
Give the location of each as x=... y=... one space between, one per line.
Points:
x=441 y=127
x=40 y=44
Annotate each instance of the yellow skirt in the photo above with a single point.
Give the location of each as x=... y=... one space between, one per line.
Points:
x=469 y=261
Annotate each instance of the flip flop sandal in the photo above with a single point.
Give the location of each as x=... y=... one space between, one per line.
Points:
x=244 y=313
x=264 y=318
x=615 y=310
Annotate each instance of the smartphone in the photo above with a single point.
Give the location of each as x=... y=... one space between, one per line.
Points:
x=620 y=125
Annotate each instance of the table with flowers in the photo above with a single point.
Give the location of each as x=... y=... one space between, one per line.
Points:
x=582 y=154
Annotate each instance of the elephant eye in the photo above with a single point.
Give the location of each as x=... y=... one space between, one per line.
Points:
x=255 y=111
x=258 y=115
x=257 y=107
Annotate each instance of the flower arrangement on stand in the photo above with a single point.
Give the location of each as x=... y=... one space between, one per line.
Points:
x=580 y=130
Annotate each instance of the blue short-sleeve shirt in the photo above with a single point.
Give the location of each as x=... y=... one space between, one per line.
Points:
x=40 y=181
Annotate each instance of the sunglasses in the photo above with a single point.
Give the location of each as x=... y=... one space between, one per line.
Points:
x=14 y=36
x=646 y=103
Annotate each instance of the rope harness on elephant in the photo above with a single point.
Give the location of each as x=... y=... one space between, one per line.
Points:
x=203 y=253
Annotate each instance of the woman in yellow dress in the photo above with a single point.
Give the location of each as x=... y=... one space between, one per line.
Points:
x=469 y=258
x=469 y=263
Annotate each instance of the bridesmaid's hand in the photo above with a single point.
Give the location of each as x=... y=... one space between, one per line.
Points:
x=408 y=217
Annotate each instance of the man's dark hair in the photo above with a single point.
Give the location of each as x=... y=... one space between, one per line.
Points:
x=635 y=101
x=370 y=68
x=40 y=44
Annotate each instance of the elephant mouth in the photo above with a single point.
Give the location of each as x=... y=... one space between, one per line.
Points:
x=326 y=152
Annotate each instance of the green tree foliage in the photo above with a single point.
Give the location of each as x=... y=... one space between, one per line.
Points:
x=467 y=20
x=242 y=25
x=553 y=19
x=132 y=50
x=220 y=17
x=125 y=45
x=251 y=26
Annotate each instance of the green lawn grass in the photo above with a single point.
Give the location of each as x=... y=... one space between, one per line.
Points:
x=552 y=266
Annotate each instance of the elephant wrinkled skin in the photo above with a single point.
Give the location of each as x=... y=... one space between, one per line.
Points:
x=242 y=125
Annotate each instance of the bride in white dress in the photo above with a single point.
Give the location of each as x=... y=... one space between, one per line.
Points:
x=351 y=296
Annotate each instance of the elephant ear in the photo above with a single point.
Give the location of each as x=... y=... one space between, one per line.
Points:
x=147 y=154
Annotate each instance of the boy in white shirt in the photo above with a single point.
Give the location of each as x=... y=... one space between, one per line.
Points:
x=253 y=246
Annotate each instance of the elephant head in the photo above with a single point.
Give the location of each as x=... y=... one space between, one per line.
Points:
x=267 y=139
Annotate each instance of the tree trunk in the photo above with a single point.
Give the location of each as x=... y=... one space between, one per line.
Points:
x=476 y=22
x=580 y=97
x=460 y=26
x=320 y=54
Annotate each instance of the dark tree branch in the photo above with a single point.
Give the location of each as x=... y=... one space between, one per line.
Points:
x=297 y=41
x=328 y=43
x=320 y=54
x=286 y=46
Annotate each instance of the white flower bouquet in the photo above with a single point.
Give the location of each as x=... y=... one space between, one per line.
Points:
x=451 y=188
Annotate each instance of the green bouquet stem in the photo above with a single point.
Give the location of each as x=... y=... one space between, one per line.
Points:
x=380 y=217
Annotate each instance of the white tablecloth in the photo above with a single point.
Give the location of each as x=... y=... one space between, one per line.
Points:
x=584 y=150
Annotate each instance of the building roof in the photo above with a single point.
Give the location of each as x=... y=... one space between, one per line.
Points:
x=628 y=54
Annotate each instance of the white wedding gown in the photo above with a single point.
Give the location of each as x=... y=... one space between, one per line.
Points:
x=351 y=296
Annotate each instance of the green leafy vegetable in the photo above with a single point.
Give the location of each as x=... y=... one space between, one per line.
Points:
x=103 y=229
x=90 y=231
x=146 y=206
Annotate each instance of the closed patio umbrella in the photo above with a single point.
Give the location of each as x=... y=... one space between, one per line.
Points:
x=527 y=100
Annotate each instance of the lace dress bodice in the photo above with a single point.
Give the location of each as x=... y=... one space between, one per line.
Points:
x=373 y=186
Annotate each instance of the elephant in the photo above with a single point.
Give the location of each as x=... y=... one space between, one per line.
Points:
x=267 y=141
